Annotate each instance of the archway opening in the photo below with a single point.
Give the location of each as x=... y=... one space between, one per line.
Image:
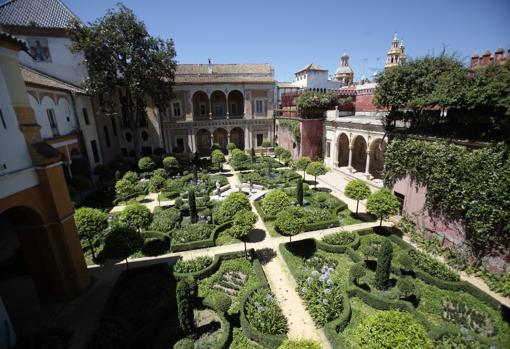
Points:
x=219 y=104
x=359 y=154
x=200 y=105
x=377 y=149
x=343 y=150
x=220 y=137
x=236 y=104
x=203 y=142
x=237 y=137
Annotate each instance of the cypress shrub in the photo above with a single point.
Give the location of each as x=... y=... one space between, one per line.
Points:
x=299 y=192
x=382 y=272
x=184 y=295
x=192 y=206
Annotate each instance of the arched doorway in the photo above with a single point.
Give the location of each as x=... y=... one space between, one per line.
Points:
x=219 y=104
x=200 y=105
x=377 y=149
x=235 y=104
x=343 y=150
x=237 y=137
x=359 y=154
x=220 y=137
x=203 y=142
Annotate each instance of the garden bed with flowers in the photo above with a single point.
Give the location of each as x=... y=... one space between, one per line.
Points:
x=339 y=281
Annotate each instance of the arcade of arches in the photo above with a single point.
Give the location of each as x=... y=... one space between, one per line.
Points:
x=356 y=155
x=218 y=105
x=205 y=139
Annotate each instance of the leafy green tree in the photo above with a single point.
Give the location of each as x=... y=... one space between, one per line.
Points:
x=266 y=144
x=192 y=206
x=290 y=221
x=275 y=201
x=238 y=158
x=382 y=272
x=242 y=225
x=184 y=295
x=156 y=183
x=299 y=192
x=90 y=222
x=217 y=158
x=405 y=261
x=124 y=187
x=230 y=147
x=232 y=204
x=171 y=164
x=160 y=172
x=165 y=220
x=302 y=163
x=314 y=104
x=278 y=151
x=131 y=176
x=285 y=156
x=357 y=190
x=122 y=56
x=122 y=241
x=382 y=204
x=300 y=344
x=391 y=329
x=315 y=169
x=146 y=164
x=135 y=216
x=357 y=272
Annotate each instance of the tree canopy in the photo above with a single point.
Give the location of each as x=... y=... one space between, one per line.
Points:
x=382 y=203
x=357 y=190
x=123 y=59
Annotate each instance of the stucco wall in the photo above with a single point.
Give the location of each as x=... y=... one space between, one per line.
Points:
x=286 y=139
x=311 y=138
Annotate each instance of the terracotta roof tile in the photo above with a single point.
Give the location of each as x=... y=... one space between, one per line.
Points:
x=38 y=13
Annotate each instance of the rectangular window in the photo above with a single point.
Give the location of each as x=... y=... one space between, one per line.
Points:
x=203 y=109
x=177 y=109
x=114 y=126
x=107 y=136
x=53 y=122
x=86 y=116
x=3 y=120
x=218 y=110
x=95 y=153
x=260 y=139
x=328 y=149
x=259 y=107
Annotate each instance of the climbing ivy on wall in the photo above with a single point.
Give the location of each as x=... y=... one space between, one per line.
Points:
x=292 y=126
x=466 y=184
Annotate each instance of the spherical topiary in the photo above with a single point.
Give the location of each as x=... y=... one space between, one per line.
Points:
x=391 y=330
x=156 y=183
x=357 y=190
x=90 y=222
x=146 y=164
x=357 y=272
x=135 y=216
x=124 y=187
x=290 y=221
x=234 y=203
x=122 y=241
x=171 y=164
x=160 y=172
x=300 y=344
x=231 y=146
x=131 y=176
x=274 y=202
x=184 y=343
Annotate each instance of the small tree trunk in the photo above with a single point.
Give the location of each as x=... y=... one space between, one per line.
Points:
x=380 y=224
x=304 y=175
x=127 y=263
x=290 y=238
x=91 y=248
x=357 y=204
x=245 y=250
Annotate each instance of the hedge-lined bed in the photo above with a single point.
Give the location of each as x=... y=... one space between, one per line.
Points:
x=276 y=179
x=450 y=311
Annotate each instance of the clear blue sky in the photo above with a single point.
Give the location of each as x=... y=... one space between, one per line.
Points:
x=290 y=34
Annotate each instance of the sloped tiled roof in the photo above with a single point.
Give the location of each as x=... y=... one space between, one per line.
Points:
x=223 y=73
x=33 y=77
x=38 y=13
x=311 y=67
x=10 y=38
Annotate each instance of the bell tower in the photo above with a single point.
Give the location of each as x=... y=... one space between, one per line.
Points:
x=396 y=54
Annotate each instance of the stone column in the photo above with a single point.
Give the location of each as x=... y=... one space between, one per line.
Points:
x=210 y=108
x=349 y=167
x=228 y=136
x=334 y=154
x=367 y=168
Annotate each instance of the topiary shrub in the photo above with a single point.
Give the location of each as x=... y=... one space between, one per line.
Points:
x=160 y=172
x=146 y=164
x=184 y=294
x=405 y=261
x=156 y=183
x=90 y=222
x=230 y=147
x=357 y=190
x=165 y=220
x=274 y=202
x=124 y=187
x=406 y=287
x=217 y=158
x=218 y=301
x=131 y=176
x=299 y=191
x=300 y=344
x=357 y=271
x=135 y=216
x=171 y=164
x=290 y=221
x=192 y=206
x=234 y=203
x=192 y=265
x=122 y=241
x=382 y=272
x=391 y=330
x=184 y=343
x=383 y=204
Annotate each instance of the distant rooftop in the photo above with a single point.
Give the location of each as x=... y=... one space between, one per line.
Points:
x=35 y=13
x=224 y=73
x=34 y=77
x=311 y=67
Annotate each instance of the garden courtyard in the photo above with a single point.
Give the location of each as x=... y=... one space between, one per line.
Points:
x=247 y=251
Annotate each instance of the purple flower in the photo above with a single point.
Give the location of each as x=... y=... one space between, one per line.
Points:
x=324 y=277
x=329 y=281
x=260 y=308
x=309 y=279
x=315 y=273
x=269 y=296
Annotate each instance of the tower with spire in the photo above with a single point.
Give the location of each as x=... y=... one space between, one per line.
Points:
x=344 y=73
x=396 y=54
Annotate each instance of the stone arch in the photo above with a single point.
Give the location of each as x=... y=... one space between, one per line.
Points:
x=235 y=103
x=200 y=104
x=220 y=137
x=342 y=144
x=237 y=137
x=203 y=141
x=218 y=104
x=377 y=148
x=359 y=153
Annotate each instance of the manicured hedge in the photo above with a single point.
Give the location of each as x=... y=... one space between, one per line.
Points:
x=213 y=267
x=129 y=197
x=193 y=245
x=155 y=243
x=333 y=328
x=267 y=340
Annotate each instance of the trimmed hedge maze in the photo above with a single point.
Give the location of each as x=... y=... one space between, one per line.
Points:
x=451 y=312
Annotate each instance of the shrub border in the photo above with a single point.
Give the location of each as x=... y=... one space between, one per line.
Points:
x=209 y=242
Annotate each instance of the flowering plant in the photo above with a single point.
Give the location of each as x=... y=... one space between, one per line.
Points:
x=264 y=313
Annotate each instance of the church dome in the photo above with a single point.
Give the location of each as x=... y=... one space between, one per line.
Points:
x=344 y=70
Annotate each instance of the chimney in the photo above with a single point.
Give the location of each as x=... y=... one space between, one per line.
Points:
x=474 y=60
x=486 y=59
x=498 y=55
